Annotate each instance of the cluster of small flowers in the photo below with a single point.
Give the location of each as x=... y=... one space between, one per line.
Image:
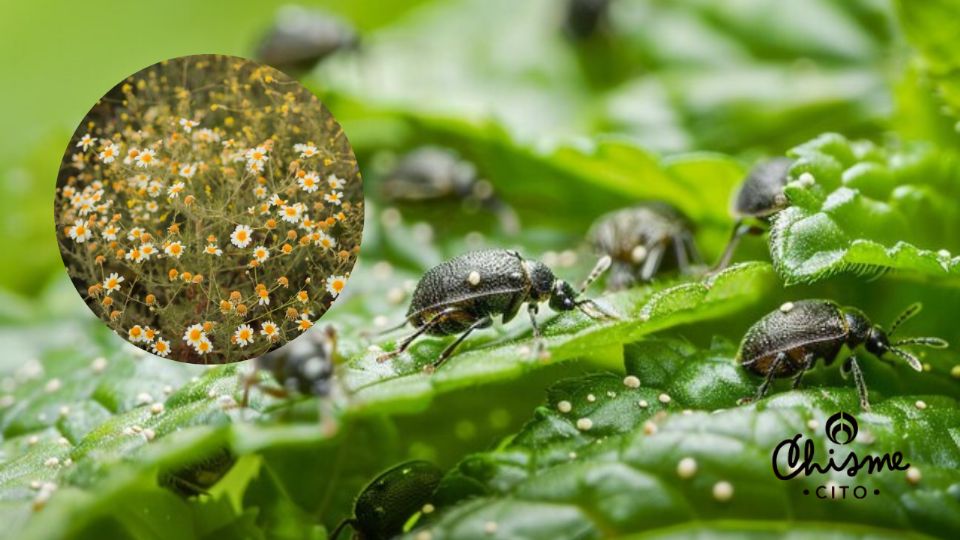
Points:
x=147 y=335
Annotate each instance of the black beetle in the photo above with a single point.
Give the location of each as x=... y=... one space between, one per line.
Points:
x=584 y=17
x=638 y=238
x=196 y=477
x=788 y=341
x=466 y=292
x=430 y=173
x=759 y=197
x=303 y=366
x=391 y=499
x=301 y=37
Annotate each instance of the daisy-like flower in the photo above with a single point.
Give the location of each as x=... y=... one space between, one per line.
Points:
x=86 y=141
x=306 y=150
x=175 y=190
x=261 y=253
x=109 y=153
x=134 y=255
x=194 y=334
x=291 y=213
x=334 y=182
x=149 y=334
x=187 y=170
x=303 y=323
x=152 y=206
x=241 y=236
x=79 y=231
x=146 y=158
x=131 y=155
x=276 y=200
x=188 y=125
x=154 y=188
x=212 y=249
x=309 y=182
x=264 y=297
x=260 y=192
x=204 y=346
x=136 y=334
x=134 y=233
x=161 y=347
x=334 y=197
x=112 y=283
x=303 y=297
x=110 y=232
x=148 y=250
x=244 y=335
x=324 y=240
x=256 y=158
x=335 y=285
x=206 y=135
x=174 y=249
x=270 y=330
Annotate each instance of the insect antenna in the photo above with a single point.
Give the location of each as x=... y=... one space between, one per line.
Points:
x=911 y=359
x=594 y=310
x=342 y=525
x=932 y=342
x=598 y=269
x=907 y=314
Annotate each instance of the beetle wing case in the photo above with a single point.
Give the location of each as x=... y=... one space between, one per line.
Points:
x=806 y=324
x=761 y=193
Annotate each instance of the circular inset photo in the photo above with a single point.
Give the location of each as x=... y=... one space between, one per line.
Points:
x=209 y=209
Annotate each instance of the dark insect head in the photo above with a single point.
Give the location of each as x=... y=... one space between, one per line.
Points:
x=564 y=298
x=878 y=341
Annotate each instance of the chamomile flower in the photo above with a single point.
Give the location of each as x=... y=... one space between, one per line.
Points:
x=194 y=334
x=188 y=125
x=148 y=250
x=260 y=192
x=212 y=249
x=109 y=153
x=244 y=335
x=134 y=255
x=241 y=236
x=136 y=334
x=134 y=233
x=206 y=135
x=306 y=150
x=175 y=190
x=86 y=141
x=309 y=182
x=261 y=253
x=334 y=197
x=110 y=232
x=174 y=249
x=269 y=330
x=146 y=158
x=154 y=188
x=256 y=158
x=152 y=206
x=335 y=182
x=161 y=347
x=264 y=297
x=303 y=297
x=187 y=170
x=112 y=283
x=291 y=213
x=324 y=240
x=132 y=154
x=335 y=285
x=79 y=231
x=277 y=201
x=204 y=346
x=303 y=323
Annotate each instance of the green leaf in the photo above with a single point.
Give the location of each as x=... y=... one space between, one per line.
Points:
x=602 y=457
x=932 y=28
x=400 y=384
x=869 y=209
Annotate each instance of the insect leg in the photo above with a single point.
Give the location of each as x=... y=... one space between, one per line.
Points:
x=740 y=229
x=402 y=346
x=807 y=364
x=652 y=264
x=771 y=373
x=680 y=248
x=448 y=350
x=691 y=245
x=340 y=527
x=538 y=346
x=852 y=366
